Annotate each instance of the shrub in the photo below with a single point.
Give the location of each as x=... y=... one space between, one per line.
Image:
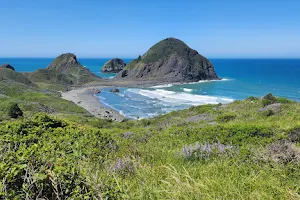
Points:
x=14 y=111
x=294 y=134
x=268 y=113
x=206 y=150
x=283 y=100
x=281 y=151
x=268 y=99
x=226 y=117
x=252 y=98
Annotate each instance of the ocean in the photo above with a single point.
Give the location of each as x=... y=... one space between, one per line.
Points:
x=241 y=78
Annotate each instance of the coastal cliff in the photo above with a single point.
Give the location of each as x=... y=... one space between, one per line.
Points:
x=170 y=60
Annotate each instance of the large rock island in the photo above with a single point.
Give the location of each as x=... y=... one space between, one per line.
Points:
x=113 y=66
x=170 y=60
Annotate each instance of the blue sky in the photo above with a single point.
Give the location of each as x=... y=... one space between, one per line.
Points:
x=127 y=28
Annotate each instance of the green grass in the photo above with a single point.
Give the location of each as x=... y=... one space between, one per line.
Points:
x=71 y=155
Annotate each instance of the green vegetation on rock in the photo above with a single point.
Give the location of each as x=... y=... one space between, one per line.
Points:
x=65 y=70
x=113 y=66
x=170 y=60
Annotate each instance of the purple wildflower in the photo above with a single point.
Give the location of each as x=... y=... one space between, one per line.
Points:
x=123 y=166
x=206 y=150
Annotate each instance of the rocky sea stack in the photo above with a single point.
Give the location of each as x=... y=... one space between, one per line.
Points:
x=7 y=66
x=170 y=60
x=113 y=66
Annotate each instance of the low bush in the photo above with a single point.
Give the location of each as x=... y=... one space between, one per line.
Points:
x=14 y=111
x=294 y=134
x=268 y=99
x=252 y=98
x=226 y=117
x=282 y=151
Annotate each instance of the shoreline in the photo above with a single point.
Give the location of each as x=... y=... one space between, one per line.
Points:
x=85 y=98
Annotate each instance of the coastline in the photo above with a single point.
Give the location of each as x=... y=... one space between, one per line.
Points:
x=85 y=98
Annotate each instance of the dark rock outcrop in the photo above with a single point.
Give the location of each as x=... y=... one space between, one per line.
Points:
x=114 y=90
x=113 y=66
x=7 y=66
x=170 y=60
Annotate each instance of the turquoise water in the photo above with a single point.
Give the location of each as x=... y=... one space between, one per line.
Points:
x=241 y=78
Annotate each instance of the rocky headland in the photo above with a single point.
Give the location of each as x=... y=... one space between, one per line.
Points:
x=65 y=70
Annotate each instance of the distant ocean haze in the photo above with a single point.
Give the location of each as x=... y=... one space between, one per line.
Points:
x=241 y=78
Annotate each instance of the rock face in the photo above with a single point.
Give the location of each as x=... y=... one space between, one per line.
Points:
x=7 y=66
x=66 y=63
x=113 y=66
x=170 y=60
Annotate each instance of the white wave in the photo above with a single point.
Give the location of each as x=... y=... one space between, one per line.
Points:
x=181 y=97
x=202 y=81
x=120 y=94
x=162 y=86
x=187 y=90
x=208 y=81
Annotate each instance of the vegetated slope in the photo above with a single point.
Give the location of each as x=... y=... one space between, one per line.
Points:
x=13 y=76
x=32 y=98
x=170 y=60
x=64 y=70
x=244 y=150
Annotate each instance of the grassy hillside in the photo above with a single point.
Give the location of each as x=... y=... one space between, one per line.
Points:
x=244 y=150
x=33 y=97
x=51 y=77
x=7 y=75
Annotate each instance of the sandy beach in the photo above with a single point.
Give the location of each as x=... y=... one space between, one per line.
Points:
x=85 y=98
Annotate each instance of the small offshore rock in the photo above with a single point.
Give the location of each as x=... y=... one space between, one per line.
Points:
x=114 y=90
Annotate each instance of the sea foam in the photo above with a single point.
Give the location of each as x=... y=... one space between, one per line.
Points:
x=187 y=90
x=202 y=81
x=181 y=97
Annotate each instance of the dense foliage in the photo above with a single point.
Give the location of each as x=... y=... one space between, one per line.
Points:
x=232 y=151
x=14 y=111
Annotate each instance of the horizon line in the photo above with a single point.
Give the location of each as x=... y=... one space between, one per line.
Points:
x=242 y=58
